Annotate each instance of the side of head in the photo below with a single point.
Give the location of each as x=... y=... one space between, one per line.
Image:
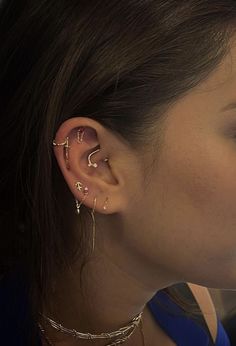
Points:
x=116 y=67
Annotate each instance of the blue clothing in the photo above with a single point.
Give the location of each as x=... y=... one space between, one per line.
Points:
x=15 y=321
x=184 y=331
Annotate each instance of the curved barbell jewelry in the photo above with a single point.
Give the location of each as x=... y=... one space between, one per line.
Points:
x=89 y=160
x=79 y=139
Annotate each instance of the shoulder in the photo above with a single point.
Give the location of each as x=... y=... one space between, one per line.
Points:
x=206 y=305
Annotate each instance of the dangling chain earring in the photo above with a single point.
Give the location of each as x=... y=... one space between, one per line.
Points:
x=79 y=186
x=94 y=226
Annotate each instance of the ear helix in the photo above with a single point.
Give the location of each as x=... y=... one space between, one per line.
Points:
x=79 y=137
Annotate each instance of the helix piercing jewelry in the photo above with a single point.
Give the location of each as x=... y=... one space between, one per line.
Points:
x=66 y=149
x=54 y=143
x=80 y=134
x=89 y=160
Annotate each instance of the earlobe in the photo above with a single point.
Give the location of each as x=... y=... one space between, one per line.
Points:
x=81 y=149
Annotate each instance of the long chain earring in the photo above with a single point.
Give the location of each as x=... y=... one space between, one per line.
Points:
x=79 y=186
x=94 y=225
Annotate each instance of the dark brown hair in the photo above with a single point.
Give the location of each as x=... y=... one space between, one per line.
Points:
x=122 y=63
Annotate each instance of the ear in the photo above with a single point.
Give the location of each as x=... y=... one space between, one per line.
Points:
x=110 y=179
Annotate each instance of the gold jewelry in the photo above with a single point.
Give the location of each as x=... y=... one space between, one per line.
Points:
x=79 y=186
x=94 y=227
x=66 y=149
x=80 y=135
x=105 y=204
x=89 y=160
x=94 y=164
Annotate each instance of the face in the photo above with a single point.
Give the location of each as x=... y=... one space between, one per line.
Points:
x=182 y=225
x=189 y=219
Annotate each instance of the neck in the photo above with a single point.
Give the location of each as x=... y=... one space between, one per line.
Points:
x=116 y=288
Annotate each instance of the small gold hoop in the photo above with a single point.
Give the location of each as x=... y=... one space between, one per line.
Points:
x=54 y=143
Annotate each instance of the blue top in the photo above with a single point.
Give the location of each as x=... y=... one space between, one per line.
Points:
x=183 y=330
x=15 y=321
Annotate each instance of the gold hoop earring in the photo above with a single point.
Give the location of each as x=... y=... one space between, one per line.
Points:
x=66 y=149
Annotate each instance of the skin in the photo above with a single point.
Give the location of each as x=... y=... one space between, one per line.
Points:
x=181 y=227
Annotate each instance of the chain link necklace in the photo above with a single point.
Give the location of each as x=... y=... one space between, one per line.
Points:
x=50 y=343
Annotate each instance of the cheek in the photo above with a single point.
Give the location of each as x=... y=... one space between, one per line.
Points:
x=196 y=189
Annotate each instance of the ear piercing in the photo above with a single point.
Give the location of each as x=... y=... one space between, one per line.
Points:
x=80 y=134
x=89 y=160
x=79 y=186
x=105 y=204
x=66 y=150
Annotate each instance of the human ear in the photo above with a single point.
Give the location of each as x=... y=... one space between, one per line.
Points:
x=92 y=157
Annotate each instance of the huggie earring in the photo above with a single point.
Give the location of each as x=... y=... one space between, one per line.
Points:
x=66 y=148
x=90 y=163
x=105 y=204
x=80 y=134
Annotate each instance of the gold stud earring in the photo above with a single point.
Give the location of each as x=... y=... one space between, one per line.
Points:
x=105 y=204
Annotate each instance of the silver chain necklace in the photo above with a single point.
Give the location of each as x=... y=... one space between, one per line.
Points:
x=89 y=336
